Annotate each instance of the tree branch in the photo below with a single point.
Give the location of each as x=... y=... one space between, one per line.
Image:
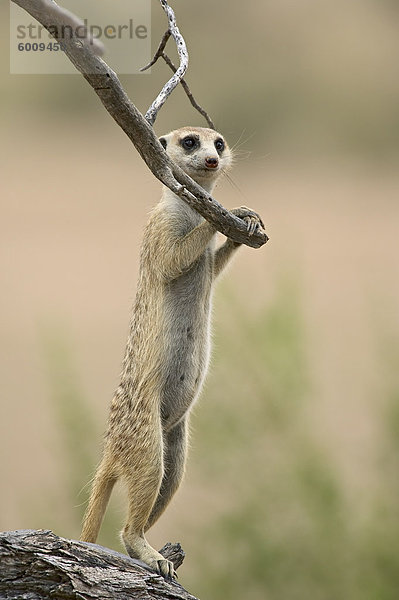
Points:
x=108 y=88
x=75 y=23
x=40 y=565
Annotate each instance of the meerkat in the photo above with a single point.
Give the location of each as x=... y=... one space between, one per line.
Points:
x=167 y=351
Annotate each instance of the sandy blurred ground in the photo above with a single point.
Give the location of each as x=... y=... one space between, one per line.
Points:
x=318 y=108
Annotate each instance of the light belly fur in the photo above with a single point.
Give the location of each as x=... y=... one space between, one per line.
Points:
x=187 y=308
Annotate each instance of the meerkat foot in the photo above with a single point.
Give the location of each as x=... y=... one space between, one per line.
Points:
x=166 y=569
x=138 y=547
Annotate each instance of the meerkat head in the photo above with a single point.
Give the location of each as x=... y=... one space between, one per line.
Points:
x=202 y=153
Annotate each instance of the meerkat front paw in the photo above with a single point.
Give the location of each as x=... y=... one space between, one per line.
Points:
x=251 y=218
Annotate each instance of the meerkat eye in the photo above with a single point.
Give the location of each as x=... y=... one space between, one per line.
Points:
x=219 y=145
x=188 y=142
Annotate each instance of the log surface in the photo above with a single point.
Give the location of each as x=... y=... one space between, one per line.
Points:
x=38 y=565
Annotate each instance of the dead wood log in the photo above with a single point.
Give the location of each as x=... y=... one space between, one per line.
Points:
x=37 y=565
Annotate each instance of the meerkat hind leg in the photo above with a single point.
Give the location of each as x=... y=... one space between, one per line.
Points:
x=175 y=441
x=143 y=484
x=138 y=547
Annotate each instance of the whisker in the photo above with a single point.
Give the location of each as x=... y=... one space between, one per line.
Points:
x=232 y=182
x=242 y=154
x=240 y=143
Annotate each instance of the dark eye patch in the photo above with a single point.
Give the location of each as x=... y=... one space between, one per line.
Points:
x=219 y=145
x=190 y=142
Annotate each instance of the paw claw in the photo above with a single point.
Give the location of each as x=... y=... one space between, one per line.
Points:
x=250 y=217
x=253 y=224
x=165 y=568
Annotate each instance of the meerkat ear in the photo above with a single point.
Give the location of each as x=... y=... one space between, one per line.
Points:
x=163 y=142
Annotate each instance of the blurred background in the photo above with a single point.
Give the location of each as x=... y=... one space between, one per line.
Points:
x=292 y=483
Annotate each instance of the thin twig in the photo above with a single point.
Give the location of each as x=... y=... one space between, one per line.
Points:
x=189 y=93
x=170 y=85
x=159 y=52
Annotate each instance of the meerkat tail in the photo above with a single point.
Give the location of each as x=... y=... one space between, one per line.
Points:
x=101 y=491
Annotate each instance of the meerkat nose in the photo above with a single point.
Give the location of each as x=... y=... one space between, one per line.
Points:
x=211 y=162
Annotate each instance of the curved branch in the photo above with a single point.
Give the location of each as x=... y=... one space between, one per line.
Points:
x=174 y=81
x=69 y=18
x=115 y=100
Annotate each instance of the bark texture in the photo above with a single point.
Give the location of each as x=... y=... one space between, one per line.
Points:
x=38 y=565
